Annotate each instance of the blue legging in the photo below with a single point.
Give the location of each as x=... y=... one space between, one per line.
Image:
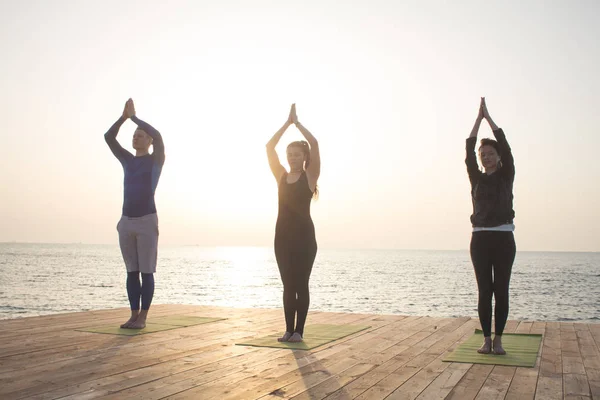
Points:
x=137 y=290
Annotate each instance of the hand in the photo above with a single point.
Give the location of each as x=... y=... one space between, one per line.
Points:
x=480 y=113
x=293 y=116
x=129 y=110
x=125 y=110
x=484 y=109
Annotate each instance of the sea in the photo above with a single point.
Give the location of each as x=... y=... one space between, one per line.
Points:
x=41 y=279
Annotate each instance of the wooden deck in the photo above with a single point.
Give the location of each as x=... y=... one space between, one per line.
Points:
x=399 y=357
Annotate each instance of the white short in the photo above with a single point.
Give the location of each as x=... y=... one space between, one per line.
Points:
x=138 y=238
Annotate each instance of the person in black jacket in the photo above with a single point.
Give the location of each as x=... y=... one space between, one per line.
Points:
x=493 y=246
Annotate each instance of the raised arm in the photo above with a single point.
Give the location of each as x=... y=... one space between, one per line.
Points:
x=471 y=159
x=157 y=141
x=508 y=162
x=276 y=168
x=314 y=167
x=159 y=147
x=111 y=138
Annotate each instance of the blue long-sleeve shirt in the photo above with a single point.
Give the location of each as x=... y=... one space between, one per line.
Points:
x=141 y=173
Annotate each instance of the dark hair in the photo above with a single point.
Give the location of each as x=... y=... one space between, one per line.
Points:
x=494 y=144
x=490 y=142
x=303 y=145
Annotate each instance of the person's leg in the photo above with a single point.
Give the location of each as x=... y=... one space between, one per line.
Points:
x=147 y=292
x=504 y=251
x=283 y=257
x=128 y=245
x=303 y=263
x=134 y=290
x=480 y=256
x=147 y=244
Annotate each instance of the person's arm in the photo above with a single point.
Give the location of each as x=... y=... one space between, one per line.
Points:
x=159 y=147
x=314 y=167
x=471 y=159
x=508 y=162
x=157 y=141
x=486 y=115
x=276 y=168
x=477 y=124
x=111 y=138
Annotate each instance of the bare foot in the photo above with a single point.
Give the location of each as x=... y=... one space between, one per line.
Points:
x=296 y=337
x=286 y=336
x=134 y=315
x=140 y=322
x=486 y=348
x=497 y=346
x=137 y=325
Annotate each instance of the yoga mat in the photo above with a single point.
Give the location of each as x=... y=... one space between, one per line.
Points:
x=314 y=336
x=115 y=330
x=521 y=350
x=184 y=320
x=158 y=324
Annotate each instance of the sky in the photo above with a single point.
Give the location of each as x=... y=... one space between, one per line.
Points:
x=390 y=89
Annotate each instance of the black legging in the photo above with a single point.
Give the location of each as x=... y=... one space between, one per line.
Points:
x=493 y=251
x=137 y=290
x=295 y=267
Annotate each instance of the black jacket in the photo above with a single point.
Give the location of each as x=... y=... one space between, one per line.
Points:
x=492 y=195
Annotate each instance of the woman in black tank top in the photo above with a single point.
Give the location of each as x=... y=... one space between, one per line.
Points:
x=295 y=242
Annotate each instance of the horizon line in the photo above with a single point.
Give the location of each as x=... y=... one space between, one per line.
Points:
x=270 y=246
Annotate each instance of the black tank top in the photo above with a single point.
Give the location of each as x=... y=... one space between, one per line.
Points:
x=294 y=222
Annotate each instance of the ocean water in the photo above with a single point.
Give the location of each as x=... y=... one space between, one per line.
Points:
x=39 y=279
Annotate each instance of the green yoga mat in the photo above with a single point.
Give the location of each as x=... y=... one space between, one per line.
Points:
x=184 y=320
x=521 y=350
x=314 y=336
x=158 y=324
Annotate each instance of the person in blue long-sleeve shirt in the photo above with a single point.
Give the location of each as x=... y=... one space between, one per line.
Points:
x=138 y=226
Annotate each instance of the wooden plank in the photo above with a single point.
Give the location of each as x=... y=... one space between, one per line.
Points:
x=106 y=368
x=238 y=362
x=368 y=342
x=389 y=383
x=497 y=383
x=42 y=341
x=334 y=384
x=399 y=357
x=523 y=384
x=305 y=376
x=191 y=385
x=419 y=381
x=468 y=387
x=524 y=327
x=388 y=367
x=550 y=384
x=576 y=386
x=406 y=382
x=287 y=381
x=318 y=375
x=551 y=365
x=445 y=382
x=593 y=376
x=511 y=326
